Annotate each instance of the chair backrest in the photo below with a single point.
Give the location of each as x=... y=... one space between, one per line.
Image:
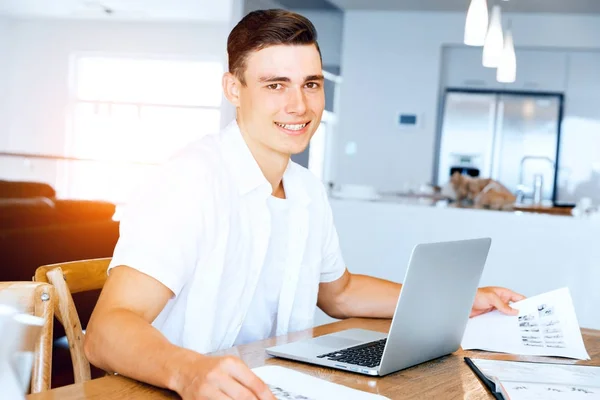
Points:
x=37 y=299
x=68 y=278
x=80 y=276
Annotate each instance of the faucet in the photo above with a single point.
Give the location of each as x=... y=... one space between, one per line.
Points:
x=521 y=188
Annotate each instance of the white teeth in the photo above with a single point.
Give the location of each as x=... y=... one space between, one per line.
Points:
x=296 y=127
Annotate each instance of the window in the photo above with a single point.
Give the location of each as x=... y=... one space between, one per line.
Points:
x=128 y=115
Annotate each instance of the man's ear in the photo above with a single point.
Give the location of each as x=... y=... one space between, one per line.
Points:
x=231 y=88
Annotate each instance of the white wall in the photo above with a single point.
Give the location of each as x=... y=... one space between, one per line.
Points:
x=253 y=5
x=4 y=60
x=37 y=94
x=238 y=10
x=391 y=63
x=329 y=25
x=580 y=150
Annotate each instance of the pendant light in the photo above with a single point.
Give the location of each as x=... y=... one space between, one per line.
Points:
x=507 y=69
x=494 y=41
x=477 y=23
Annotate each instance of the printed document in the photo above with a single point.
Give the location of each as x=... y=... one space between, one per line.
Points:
x=546 y=326
x=531 y=381
x=287 y=384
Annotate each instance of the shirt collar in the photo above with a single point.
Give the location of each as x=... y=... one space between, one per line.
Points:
x=247 y=173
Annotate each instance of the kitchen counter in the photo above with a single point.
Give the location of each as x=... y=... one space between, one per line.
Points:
x=436 y=200
x=564 y=211
x=530 y=253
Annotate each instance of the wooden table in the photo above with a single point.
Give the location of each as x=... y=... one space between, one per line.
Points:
x=553 y=210
x=444 y=378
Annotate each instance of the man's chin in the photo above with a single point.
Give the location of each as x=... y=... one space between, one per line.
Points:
x=297 y=149
x=295 y=146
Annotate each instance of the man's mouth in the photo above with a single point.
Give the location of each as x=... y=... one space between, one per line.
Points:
x=292 y=127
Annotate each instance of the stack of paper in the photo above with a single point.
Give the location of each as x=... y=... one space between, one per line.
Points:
x=531 y=381
x=292 y=385
x=546 y=326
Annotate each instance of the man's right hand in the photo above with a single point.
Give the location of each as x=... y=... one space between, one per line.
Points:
x=120 y=338
x=221 y=378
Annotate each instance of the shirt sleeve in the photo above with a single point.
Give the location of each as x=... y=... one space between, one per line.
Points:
x=333 y=266
x=159 y=229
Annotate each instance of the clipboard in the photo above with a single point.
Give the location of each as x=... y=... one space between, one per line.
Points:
x=491 y=386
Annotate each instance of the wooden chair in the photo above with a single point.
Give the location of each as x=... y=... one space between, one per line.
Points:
x=36 y=299
x=69 y=278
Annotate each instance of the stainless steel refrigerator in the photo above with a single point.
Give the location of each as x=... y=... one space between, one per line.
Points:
x=510 y=137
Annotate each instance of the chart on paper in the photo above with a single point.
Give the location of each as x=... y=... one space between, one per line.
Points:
x=546 y=326
x=542 y=327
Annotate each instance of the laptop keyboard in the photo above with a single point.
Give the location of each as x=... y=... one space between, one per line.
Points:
x=366 y=355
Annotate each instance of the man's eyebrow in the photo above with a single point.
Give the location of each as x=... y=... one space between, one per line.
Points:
x=314 y=78
x=273 y=78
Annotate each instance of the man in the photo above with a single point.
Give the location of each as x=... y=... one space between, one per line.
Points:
x=233 y=242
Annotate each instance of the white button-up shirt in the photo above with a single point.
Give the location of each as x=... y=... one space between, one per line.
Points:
x=201 y=227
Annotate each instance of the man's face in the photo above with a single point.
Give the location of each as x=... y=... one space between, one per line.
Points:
x=280 y=107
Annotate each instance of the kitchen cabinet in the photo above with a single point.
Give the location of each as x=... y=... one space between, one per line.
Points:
x=540 y=71
x=537 y=70
x=462 y=68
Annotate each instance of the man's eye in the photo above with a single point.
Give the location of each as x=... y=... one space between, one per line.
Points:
x=274 y=86
x=312 y=85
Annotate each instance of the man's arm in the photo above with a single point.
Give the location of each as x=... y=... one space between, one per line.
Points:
x=365 y=296
x=358 y=296
x=120 y=338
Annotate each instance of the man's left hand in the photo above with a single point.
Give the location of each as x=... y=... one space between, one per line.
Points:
x=495 y=298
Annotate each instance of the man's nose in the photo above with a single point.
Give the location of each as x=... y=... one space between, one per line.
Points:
x=296 y=102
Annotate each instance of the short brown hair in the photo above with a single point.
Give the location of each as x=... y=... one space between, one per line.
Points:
x=264 y=28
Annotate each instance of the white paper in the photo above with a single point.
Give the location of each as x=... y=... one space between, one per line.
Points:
x=517 y=371
x=287 y=384
x=546 y=326
x=540 y=391
x=532 y=381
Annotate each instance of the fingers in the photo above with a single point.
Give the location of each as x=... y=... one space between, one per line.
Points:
x=501 y=306
x=214 y=393
x=498 y=298
x=240 y=372
x=220 y=396
x=506 y=294
x=475 y=313
x=516 y=296
x=233 y=389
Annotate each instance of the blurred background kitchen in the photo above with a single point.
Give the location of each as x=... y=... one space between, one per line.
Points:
x=445 y=119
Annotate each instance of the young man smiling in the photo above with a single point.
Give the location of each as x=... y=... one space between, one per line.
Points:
x=233 y=242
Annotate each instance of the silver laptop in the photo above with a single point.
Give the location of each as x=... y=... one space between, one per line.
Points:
x=429 y=322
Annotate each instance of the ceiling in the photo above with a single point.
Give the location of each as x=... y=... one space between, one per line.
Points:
x=533 y=6
x=221 y=10
x=155 y=10
x=324 y=5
